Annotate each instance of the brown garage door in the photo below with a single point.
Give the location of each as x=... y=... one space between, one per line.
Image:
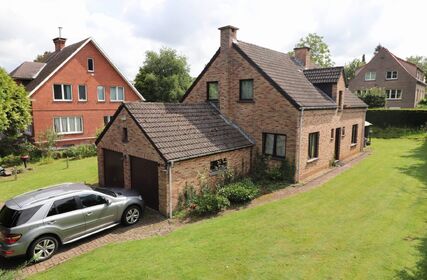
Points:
x=144 y=179
x=113 y=169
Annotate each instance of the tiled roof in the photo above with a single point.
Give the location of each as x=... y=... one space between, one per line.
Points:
x=181 y=131
x=352 y=101
x=323 y=75
x=285 y=75
x=27 y=70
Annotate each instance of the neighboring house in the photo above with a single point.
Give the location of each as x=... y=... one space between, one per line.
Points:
x=248 y=101
x=402 y=81
x=75 y=91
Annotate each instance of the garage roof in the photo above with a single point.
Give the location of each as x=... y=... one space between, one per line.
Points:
x=182 y=131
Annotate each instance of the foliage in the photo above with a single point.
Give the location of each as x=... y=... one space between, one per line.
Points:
x=423 y=102
x=164 y=76
x=99 y=131
x=47 y=142
x=320 y=53
x=351 y=68
x=8 y=274
x=420 y=61
x=226 y=176
x=187 y=197
x=239 y=192
x=397 y=118
x=374 y=97
x=42 y=57
x=208 y=202
x=397 y=132
x=10 y=160
x=259 y=168
x=80 y=151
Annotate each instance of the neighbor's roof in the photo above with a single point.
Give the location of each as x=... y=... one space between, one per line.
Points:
x=27 y=70
x=285 y=76
x=180 y=131
x=352 y=101
x=323 y=75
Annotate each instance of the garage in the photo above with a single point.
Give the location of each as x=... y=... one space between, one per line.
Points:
x=113 y=166
x=144 y=180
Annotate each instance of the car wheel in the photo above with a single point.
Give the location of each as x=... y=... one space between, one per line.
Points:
x=131 y=215
x=43 y=248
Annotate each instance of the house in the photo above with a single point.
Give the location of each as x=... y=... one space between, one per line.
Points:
x=248 y=101
x=74 y=91
x=403 y=82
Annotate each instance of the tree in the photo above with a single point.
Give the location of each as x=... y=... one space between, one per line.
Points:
x=420 y=61
x=320 y=53
x=164 y=76
x=351 y=67
x=42 y=57
x=373 y=97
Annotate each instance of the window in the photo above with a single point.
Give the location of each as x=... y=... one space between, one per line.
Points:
x=391 y=75
x=107 y=119
x=213 y=91
x=68 y=125
x=370 y=76
x=246 y=89
x=274 y=145
x=89 y=200
x=332 y=133
x=82 y=93
x=125 y=137
x=62 y=206
x=340 y=99
x=313 y=145
x=343 y=131
x=101 y=93
x=90 y=65
x=11 y=218
x=354 y=134
x=217 y=165
x=393 y=94
x=62 y=92
x=117 y=94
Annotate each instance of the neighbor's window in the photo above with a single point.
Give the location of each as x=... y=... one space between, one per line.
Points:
x=247 y=89
x=217 y=165
x=370 y=76
x=107 y=119
x=90 y=65
x=62 y=92
x=68 y=125
x=82 y=93
x=313 y=145
x=213 y=91
x=274 y=145
x=354 y=133
x=332 y=133
x=125 y=136
x=117 y=93
x=393 y=94
x=101 y=93
x=391 y=75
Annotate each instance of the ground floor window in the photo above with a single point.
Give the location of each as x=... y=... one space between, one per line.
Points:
x=354 y=134
x=218 y=165
x=68 y=125
x=313 y=145
x=274 y=145
x=393 y=94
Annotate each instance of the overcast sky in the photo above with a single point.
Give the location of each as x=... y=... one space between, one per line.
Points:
x=126 y=29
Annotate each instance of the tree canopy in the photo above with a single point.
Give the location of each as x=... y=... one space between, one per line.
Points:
x=42 y=57
x=164 y=76
x=351 y=67
x=420 y=61
x=320 y=53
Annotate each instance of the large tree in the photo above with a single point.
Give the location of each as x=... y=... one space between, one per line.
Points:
x=42 y=57
x=164 y=76
x=320 y=53
x=351 y=67
x=420 y=61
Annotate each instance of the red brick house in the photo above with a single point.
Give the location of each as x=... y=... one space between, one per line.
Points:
x=74 y=91
x=248 y=100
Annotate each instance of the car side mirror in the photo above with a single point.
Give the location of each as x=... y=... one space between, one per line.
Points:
x=107 y=201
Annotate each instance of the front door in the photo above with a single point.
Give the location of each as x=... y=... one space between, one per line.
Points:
x=337 y=143
x=113 y=169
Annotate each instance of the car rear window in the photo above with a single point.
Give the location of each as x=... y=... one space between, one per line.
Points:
x=11 y=218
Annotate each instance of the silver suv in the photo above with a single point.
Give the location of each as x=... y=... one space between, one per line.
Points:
x=36 y=223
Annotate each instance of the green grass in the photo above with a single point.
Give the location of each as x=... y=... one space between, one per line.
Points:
x=367 y=223
x=44 y=175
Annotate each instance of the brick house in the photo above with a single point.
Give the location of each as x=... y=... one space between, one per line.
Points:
x=402 y=81
x=248 y=100
x=74 y=91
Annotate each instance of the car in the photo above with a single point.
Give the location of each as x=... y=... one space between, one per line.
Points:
x=38 y=222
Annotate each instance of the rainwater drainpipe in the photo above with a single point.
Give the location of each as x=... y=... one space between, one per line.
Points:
x=299 y=143
x=170 y=166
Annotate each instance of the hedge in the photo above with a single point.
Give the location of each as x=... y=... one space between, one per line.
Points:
x=397 y=118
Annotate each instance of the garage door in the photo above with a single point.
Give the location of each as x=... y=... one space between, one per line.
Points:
x=144 y=179
x=113 y=169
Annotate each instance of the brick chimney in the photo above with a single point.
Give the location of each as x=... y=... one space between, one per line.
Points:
x=303 y=54
x=228 y=36
x=59 y=43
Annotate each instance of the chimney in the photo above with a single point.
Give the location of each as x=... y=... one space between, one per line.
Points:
x=59 y=43
x=228 y=36
x=303 y=54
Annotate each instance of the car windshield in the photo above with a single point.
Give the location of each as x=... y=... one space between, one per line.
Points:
x=11 y=218
x=105 y=191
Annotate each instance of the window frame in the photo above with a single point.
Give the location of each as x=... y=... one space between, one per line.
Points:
x=117 y=100
x=68 y=125
x=274 y=154
x=316 y=150
x=54 y=206
x=391 y=79
x=223 y=166
x=97 y=93
x=240 y=90
x=93 y=64
x=63 y=93
x=354 y=134
x=78 y=93
x=125 y=135
x=108 y=118
x=104 y=200
x=370 y=76
x=388 y=93
x=207 y=91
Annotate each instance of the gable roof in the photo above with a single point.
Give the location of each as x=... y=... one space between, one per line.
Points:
x=281 y=71
x=324 y=75
x=181 y=131
x=352 y=101
x=27 y=70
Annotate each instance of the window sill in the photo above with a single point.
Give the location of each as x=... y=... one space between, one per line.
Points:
x=393 y=99
x=216 y=172
x=312 y=160
x=83 y=101
x=353 y=145
x=117 y=101
x=70 y=133
x=245 y=101
x=391 y=79
x=58 y=100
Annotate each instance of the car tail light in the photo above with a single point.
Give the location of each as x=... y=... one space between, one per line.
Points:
x=11 y=238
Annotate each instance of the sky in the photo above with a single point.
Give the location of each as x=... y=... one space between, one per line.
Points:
x=126 y=29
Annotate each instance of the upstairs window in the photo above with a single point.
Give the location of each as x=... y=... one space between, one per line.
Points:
x=107 y=119
x=391 y=75
x=370 y=76
x=125 y=136
x=101 y=93
x=274 y=145
x=117 y=94
x=313 y=145
x=246 y=89
x=62 y=92
x=218 y=165
x=82 y=93
x=354 y=133
x=90 y=65
x=68 y=125
x=213 y=91
x=393 y=94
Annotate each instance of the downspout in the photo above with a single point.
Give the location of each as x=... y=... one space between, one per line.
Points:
x=299 y=144
x=170 y=166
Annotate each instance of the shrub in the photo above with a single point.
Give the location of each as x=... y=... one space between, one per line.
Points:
x=373 y=97
x=8 y=274
x=80 y=151
x=208 y=203
x=240 y=192
x=384 y=118
x=10 y=160
x=259 y=168
x=187 y=196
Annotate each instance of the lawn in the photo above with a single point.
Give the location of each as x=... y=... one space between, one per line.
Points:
x=42 y=175
x=367 y=223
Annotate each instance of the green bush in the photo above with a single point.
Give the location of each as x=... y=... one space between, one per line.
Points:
x=208 y=203
x=10 y=160
x=407 y=118
x=373 y=97
x=396 y=132
x=239 y=192
x=259 y=168
x=8 y=274
x=80 y=151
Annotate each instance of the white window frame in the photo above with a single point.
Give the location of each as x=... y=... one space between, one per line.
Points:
x=392 y=78
x=109 y=118
x=62 y=92
x=370 y=78
x=117 y=100
x=93 y=64
x=389 y=92
x=68 y=132
x=97 y=94
x=78 y=92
